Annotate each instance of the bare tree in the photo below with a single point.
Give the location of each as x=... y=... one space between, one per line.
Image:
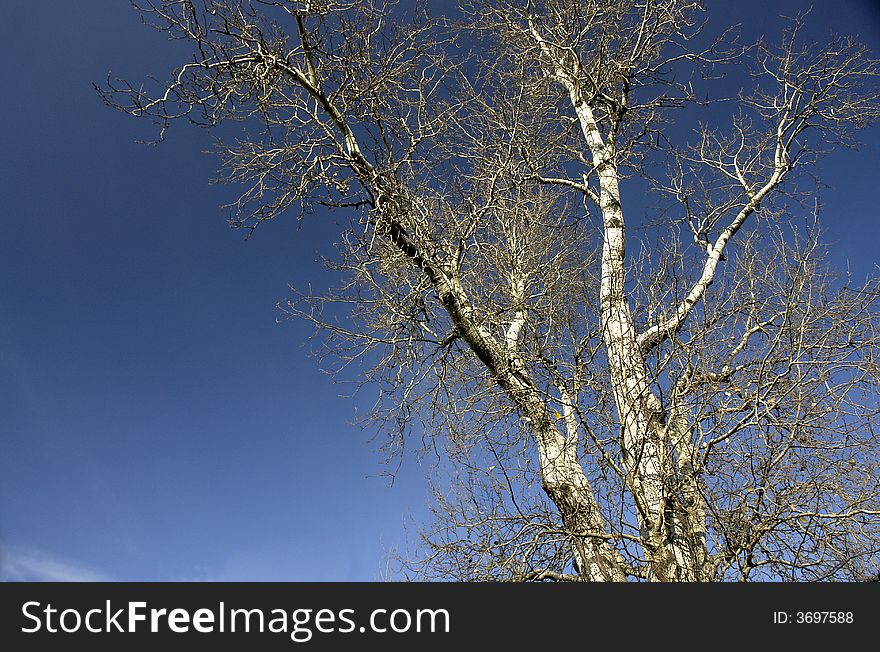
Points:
x=701 y=409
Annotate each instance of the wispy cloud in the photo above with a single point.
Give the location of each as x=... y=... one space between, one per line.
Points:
x=22 y=564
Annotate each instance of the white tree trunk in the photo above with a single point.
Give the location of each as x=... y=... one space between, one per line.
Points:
x=647 y=455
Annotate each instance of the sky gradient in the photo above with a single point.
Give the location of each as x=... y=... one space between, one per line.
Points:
x=156 y=421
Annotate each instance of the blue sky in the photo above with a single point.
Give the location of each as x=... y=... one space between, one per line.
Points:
x=156 y=422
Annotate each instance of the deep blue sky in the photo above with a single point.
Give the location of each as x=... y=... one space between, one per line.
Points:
x=156 y=422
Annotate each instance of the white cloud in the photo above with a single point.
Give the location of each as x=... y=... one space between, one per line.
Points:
x=20 y=564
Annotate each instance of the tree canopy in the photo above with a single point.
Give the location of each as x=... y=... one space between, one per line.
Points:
x=689 y=394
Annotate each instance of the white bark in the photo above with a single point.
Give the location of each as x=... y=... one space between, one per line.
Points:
x=668 y=543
